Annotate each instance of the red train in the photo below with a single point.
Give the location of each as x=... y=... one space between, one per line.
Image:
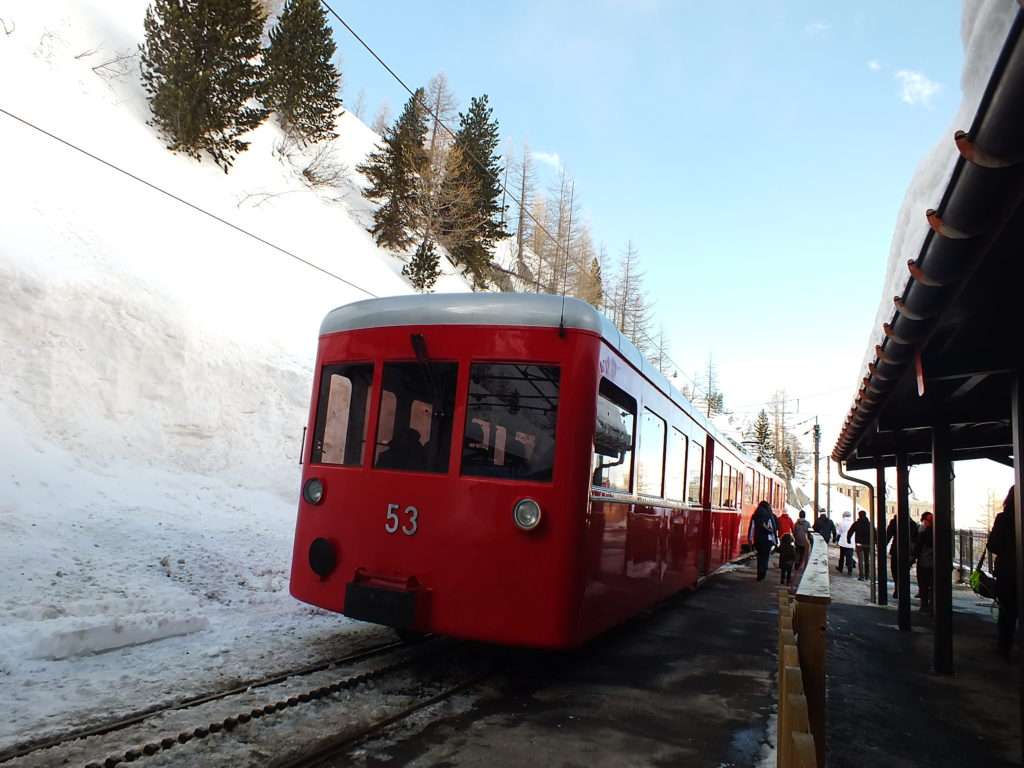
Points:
x=507 y=468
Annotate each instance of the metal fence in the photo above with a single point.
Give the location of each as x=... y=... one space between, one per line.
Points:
x=967 y=548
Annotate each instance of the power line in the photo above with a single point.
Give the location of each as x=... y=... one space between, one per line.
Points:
x=185 y=202
x=437 y=119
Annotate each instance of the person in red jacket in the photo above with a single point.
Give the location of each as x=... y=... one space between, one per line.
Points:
x=785 y=524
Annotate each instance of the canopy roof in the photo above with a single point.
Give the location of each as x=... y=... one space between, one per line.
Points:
x=954 y=335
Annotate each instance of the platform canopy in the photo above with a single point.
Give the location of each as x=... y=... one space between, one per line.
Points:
x=952 y=342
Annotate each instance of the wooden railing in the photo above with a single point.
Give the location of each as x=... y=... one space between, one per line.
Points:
x=802 y=623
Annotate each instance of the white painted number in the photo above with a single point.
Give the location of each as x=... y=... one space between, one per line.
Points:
x=392 y=524
x=410 y=527
x=392 y=520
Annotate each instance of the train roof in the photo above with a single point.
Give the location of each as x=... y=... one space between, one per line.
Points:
x=537 y=310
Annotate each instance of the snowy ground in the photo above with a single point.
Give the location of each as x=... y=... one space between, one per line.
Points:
x=155 y=372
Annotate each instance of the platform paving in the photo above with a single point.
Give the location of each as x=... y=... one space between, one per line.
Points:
x=691 y=683
x=885 y=705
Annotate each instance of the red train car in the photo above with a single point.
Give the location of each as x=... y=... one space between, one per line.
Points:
x=507 y=468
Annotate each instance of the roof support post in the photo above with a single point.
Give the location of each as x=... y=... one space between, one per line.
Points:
x=942 y=552
x=903 y=540
x=883 y=578
x=1017 y=428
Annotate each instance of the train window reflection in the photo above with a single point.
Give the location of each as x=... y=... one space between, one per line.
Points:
x=613 y=438
x=675 y=466
x=342 y=411
x=414 y=428
x=650 y=458
x=694 y=472
x=510 y=421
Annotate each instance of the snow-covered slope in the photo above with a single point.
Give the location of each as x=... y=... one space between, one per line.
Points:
x=154 y=372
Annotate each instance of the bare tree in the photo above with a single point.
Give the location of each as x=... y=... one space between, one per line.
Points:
x=442 y=103
x=382 y=118
x=632 y=312
x=359 y=107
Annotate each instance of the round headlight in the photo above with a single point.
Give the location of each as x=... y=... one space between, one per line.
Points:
x=313 y=491
x=527 y=514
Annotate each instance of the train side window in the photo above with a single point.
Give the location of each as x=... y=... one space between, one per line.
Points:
x=675 y=466
x=510 y=421
x=716 y=484
x=727 y=486
x=613 y=438
x=650 y=459
x=341 y=419
x=748 y=486
x=414 y=428
x=694 y=472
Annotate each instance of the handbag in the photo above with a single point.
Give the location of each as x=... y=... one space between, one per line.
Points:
x=982 y=583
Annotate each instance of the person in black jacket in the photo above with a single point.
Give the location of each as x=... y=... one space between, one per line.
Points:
x=890 y=534
x=763 y=534
x=860 y=531
x=1001 y=543
x=924 y=554
x=824 y=527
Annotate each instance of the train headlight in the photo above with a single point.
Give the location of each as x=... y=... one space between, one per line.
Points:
x=527 y=514
x=313 y=491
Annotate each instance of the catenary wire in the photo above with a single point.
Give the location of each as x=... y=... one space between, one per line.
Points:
x=185 y=202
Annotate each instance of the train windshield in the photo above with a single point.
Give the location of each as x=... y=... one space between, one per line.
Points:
x=414 y=429
x=341 y=418
x=510 y=421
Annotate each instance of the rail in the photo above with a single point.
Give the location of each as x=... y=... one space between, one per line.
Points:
x=802 y=624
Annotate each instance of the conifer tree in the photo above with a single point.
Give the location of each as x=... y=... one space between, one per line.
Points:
x=200 y=68
x=302 y=82
x=424 y=268
x=477 y=142
x=763 y=438
x=393 y=171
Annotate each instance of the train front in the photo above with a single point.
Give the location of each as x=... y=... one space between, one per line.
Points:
x=441 y=492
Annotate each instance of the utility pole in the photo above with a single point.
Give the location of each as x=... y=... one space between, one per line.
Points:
x=828 y=488
x=817 y=446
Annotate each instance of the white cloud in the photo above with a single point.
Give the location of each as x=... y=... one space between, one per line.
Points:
x=916 y=87
x=874 y=65
x=548 y=158
x=817 y=28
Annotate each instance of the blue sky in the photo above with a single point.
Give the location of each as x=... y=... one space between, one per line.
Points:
x=755 y=152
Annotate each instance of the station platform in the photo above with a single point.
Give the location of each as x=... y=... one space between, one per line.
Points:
x=885 y=705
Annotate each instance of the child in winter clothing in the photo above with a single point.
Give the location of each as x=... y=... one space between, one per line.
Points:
x=787 y=556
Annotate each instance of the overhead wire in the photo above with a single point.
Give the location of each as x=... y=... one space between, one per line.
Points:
x=186 y=203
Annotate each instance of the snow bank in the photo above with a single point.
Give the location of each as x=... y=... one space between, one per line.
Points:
x=983 y=30
x=155 y=374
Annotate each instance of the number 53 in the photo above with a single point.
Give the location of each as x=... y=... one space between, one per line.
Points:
x=393 y=521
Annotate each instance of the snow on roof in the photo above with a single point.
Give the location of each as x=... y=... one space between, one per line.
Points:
x=983 y=29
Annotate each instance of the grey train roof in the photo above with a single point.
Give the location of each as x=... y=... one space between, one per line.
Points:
x=523 y=309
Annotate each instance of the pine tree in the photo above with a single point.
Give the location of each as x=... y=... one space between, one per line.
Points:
x=477 y=140
x=302 y=82
x=762 y=435
x=200 y=68
x=393 y=171
x=424 y=268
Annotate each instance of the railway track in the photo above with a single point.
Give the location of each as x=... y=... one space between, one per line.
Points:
x=145 y=713
x=350 y=708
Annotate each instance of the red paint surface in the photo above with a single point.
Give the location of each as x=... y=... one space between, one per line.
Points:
x=587 y=567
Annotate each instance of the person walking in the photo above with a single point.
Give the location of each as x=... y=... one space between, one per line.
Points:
x=785 y=523
x=861 y=533
x=890 y=534
x=845 y=547
x=763 y=535
x=801 y=539
x=1001 y=543
x=787 y=556
x=824 y=527
x=924 y=554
